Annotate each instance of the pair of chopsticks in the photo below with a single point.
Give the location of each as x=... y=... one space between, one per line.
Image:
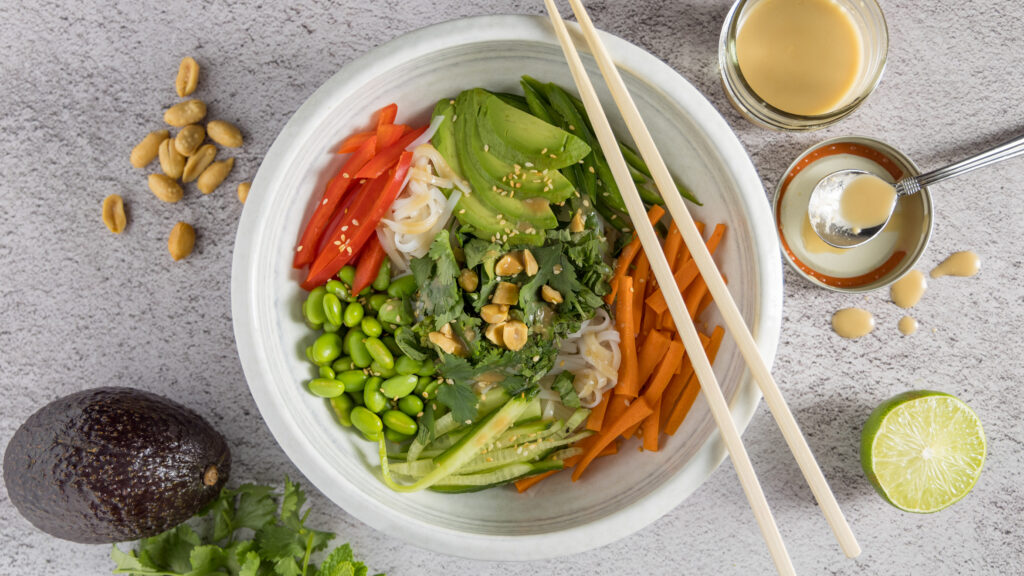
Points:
x=716 y=286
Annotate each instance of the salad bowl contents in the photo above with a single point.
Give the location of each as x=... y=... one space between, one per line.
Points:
x=443 y=295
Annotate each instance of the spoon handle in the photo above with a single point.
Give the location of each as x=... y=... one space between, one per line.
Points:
x=1010 y=149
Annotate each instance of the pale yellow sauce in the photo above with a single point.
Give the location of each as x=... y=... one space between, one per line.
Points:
x=800 y=56
x=907 y=325
x=814 y=243
x=866 y=202
x=907 y=291
x=964 y=263
x=853 y=322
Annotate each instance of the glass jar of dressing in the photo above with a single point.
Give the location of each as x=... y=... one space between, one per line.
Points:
x=801 y=64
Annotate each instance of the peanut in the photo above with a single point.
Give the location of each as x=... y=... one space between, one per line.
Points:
x=198 y=162
x=513 y=335
x=214 y=175
x=494 y=313
x=165 y=188
x=185 y=113
x=181 y=241
x=506 y=293
x=146 y=150
x=189 y=139
x=243 y=191
x=113 y=213
x=224 y=133
x=509 y=265
x=578 y=222
x=171 y=161
x=530 y=263
x=188 y=76
x=550 y=295
x=468 y=280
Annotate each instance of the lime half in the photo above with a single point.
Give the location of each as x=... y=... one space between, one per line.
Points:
x=922 y=450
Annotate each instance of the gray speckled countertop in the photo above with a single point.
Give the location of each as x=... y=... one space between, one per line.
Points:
x=82 y=80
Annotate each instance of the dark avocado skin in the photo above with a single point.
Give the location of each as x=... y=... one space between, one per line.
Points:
x=113 y=464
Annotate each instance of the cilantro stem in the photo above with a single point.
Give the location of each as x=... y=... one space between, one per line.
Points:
x=309 y=551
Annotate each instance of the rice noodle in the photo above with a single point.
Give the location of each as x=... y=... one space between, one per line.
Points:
x=435 y=123
x=592 y=355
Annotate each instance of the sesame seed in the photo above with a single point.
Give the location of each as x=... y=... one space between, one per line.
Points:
x=552 y=155
x=324 y=202
x=344 y=228
x=299 y=249
x=344 y=175
x=544 y=151
x=571 y=127
x=591 y=169
x=486 y=148
x=337 y=243
x=463 y=211
x=528 y=164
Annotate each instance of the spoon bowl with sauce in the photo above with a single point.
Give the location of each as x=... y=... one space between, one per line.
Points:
x=850 y=207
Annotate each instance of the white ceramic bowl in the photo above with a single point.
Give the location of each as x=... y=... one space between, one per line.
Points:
x=618 y=495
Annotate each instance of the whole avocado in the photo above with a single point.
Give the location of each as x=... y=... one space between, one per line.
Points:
x=113 y=464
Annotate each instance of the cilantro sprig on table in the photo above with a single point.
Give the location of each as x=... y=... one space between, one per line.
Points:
x=278 y=542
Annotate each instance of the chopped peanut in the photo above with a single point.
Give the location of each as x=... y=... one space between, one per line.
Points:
x=506 y=293
x=494 y=313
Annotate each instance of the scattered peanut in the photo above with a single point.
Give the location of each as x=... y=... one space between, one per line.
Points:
x=448 y=344
x=494 y=313
x=577 y=224
x=189 y=139
x=446 y=330
x=113 y=213
x=188 y=76
x=550 y=295
x=171 y=161
x=224 y=133
x=214 y=175
x=243 y=191
x=509 y=265
x=181 y=241
x=468 y=280
x=495 y=334
x=506 y=293
x=165 y=188
x=185 y=113
x=198 y=162
x=146 y=150
x=530 y=263
x=513 y=334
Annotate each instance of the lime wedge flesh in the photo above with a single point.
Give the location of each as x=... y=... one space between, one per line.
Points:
x=923 y=450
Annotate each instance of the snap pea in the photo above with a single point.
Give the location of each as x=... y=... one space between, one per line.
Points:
x=356 y=349
x=330 y=326
x=347 y=275
x=332 y=308
x=378 y=370
x=380 y=353
x=354 y=380
x=342 y=364
x=326 y=388
x=327 y=372
x=376 y=301
x=374 y=400
x=342 y=408
x=366 y=422
x=371 y=326
x=393 y=346
x=313 y=308
x=427 y=369
x=353 y=314
x=399 y=386
x=380 y=283
x=399 y=422
x=402 y=287
x=411 y=405
x=406 y=365
x=339 y=290
x=326 y=349
x=396 y=437
x=421 y=384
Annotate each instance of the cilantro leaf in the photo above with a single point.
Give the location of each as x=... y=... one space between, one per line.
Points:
x=255 y=507
x=129 y=563
x=341 y=563
x=170 y=550
x=564 y=386
x=460 y=398
x=436 y=275
x=291 y=503
x=277 y=541
x=206 y=560
x=251 y=565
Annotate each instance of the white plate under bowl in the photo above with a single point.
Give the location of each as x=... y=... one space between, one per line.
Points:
x=618 y=495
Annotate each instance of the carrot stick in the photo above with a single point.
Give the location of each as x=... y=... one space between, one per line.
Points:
x=616 y=407
x=673 y=242
x=694 y=295
x=525 y=484
x=648 y=322
x=657 y=305
x=672 y=359
x=684 y=252
x=628 y=253
x=596 y=417
x=636 y=412
x=650 y=428
x=693 y=386
x=640 y=278
x=628 y=383
x=707 y=299
x=652 y=351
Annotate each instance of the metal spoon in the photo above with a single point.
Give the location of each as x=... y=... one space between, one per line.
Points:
x=827 y=219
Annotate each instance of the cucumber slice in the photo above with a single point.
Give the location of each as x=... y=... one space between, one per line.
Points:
x=511 y=473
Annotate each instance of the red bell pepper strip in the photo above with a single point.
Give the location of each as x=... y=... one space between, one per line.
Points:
x=369 y=264
x=343 y=208
x=388 y=134
x=365 y=213
x=353 y=142
x=387 y=114
x=333 y=194
x=387 y=157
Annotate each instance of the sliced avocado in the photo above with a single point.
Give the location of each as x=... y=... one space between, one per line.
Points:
x=519 y=137
x=444 y=137
x=484 y=224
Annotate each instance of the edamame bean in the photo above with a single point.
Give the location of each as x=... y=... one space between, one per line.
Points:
x=411 y=405
x=421 y=384
x=313 y=308
x=380 y=353
x=326 y=349
x=357 y=399
x=431 y=390
x=338 y=289
x=354 y=380
x=378 y=370
x=428 y=368
x=326 y=388
x=392 y=345
x=392 y=313
x=380 y=283
x=371 y=327
x=396 y=437
x=309 y=354
x=357 y=349
x=353 y=314
x=366 y=422
x=399 y=386
x=342 y=364
x=347 y=275
x=332 y=308
x=399 y=422
x=406 y=365
x=376 y=301
x=330 y=327
x=342 y=408
x=327 y=372
x=402 y=287
x=374 y=400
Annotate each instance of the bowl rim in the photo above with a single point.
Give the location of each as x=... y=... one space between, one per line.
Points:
x=607 y=529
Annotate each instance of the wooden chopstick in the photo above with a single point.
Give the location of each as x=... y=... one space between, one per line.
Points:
x=674 y=300
x=716 y=286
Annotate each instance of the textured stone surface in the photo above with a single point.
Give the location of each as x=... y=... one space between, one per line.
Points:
x=82 y=80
